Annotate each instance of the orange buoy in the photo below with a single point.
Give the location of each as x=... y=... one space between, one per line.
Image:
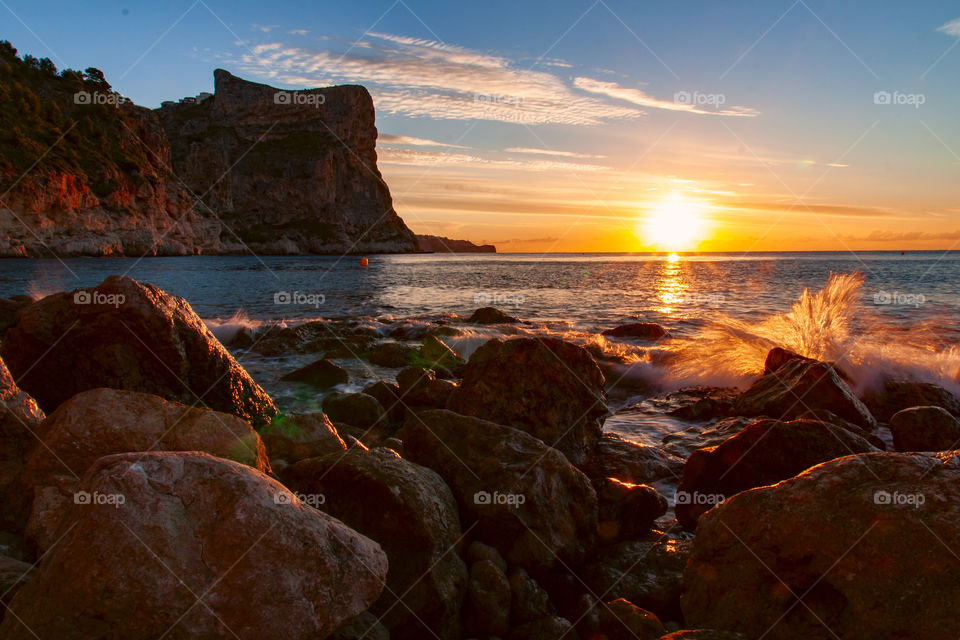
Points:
x=364 y=262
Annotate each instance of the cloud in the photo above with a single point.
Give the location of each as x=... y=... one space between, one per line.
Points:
x=550 y=152
x=434 y=158
x=905 y=236
x=952 y=28
x=388 y=138
x=423 y=78
x=298 y=32
x=850 y=211
x=683 y=100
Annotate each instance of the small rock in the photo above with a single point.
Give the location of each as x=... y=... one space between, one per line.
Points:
x=646 y=330
x=552 y=628
x=630 y=462
x=622 y=620
x=438 y=355
x=297 y=437
x=478 y=551
x=626 y=510
x=388 y=395
x=491 y=315
x=529 y=601
x=488 y=599
x=925 y=429
x=419 y=388
x=321 y=374
x=357 y=409
x=896 y=396
x=391 y=354
x=364 y=627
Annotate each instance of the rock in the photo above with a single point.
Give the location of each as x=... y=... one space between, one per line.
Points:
x=127 y=335
x=364 y=627
x=552 y=628
x=193 y=526
x=100 y=422
x=777 y=357
x=392 y=443
x=491 y=315
x=297 y=437
x=801 y=385
x=528 y=501
x=630 y=462
x=645 y=330
x=20 y=419
x=704 y=634
x=321 y=374
x=391 y=354
x=528 y=600
x=412 y=514
x=357 y=409
x=700 y=436
x=765 y=452
x=478 y=551
x=648 y=573
x=289 y=177
x=894 y=396
x=860 y=546
x=13 y=575
x=549 y=388
x=10 y=311
x=439 y=355
x=488 y=599
x=837 y=421
x=439 y=244
x=419 y=388
x=924 y=429
x=388 y=395
x=700 y=403
x=622 y=620
x=626 y=510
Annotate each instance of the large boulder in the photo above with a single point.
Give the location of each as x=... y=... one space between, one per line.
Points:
x=20 y=418
x=615 y=457
x=526 y=499
x=549 y=388
x=124 y=334
x=100 y=422
x=356 y=409
x=301 y=436
x=925 y=429
x=861 y=547
x=765 y=452
x=897 y=395
x=199 y=547
x=412 y=514
x=645 y=330
x=800 y=385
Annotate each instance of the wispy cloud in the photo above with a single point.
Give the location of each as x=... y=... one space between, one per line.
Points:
x=298 y=32
x=550 y=152
x=952 y=28
x=390 y=139
x=424 y=78
x=433 y=158
x=683 y=101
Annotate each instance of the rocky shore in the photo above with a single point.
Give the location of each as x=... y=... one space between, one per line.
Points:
x=152 y=488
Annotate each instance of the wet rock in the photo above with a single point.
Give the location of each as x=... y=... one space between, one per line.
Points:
x=801 y=385
x=20 y=420
x=13 y=575
x=765 y=452
x=630 y=462
x=491 y=315
x=828 y=416
x=357 y=409
x=528 y=501
x=622 y=620
x=488 y=599
x=391 y=354
x=552 y=628
x=321 y=374
x=297 y=437
x=392 y=443
x=412 y=514
x=645 y=330
x=704 y=634
x=549 y=388
x=364 y=627
x=10 y=310
x=127 y=335
x=626 y=511
x=437 y=354
x=683 y=443
x=419 y=388
x=266 y=564
x=529 y=601
x=894 y=396
x=100 y=422
x=478 y=551
x=648 y=573
x=388 y=395
x=859 y=546
x=925 y=429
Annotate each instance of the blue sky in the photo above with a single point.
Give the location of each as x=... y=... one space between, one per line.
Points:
x=562 y=125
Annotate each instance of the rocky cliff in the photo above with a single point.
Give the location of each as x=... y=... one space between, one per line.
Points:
x=440 y=244
x=286 y=171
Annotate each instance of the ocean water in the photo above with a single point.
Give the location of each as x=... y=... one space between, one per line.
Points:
x=880 y=314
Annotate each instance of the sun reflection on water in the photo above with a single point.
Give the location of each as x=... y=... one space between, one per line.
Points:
x=671 y=285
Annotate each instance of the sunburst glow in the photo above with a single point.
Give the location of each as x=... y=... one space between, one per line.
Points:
x=677 y=223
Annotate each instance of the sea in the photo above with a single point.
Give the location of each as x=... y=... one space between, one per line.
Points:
x=877 y=314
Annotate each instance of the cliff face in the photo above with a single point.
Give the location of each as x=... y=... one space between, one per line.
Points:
x=286 y=171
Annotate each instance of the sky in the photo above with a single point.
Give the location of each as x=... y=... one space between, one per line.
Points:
x=591 y=125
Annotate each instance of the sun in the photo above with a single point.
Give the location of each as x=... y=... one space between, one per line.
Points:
x=676 y=223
